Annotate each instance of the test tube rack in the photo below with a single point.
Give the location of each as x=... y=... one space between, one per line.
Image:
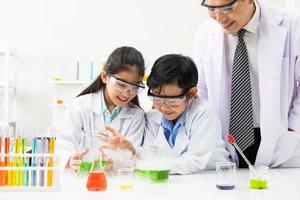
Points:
x=29 y=172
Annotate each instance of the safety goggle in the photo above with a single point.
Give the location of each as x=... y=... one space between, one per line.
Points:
x=124 y=86
x=222 y=9
x=171 y=101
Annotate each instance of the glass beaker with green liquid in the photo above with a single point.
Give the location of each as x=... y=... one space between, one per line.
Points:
x=90 y=143
x=153 y=167
x=258 y=177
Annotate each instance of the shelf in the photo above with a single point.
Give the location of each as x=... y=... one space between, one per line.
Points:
x=63 y=82
x=4 y=84
x=12 y=52
x=58 y=105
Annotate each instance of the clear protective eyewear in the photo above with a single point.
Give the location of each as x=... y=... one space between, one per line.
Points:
x=171 y=101
x=124 y=86
x=222 y=9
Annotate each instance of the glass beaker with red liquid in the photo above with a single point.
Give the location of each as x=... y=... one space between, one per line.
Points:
x=96 y=180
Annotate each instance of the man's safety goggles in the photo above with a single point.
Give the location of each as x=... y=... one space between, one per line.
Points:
x=222 y=9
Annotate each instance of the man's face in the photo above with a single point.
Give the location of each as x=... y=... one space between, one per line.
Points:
x=232 y=15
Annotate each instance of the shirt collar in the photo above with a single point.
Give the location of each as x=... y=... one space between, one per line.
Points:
x=169 y=125
x=105 y=110
x=252 y=25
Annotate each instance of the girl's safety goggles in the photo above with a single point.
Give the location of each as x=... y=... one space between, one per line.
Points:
x=171 y=101
x=124 y=86
x=222 y=9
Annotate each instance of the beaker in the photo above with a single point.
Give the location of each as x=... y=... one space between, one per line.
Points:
x=96 y=180
x=226 y=175
x=90 y=143
x=125 y=178
x=153 y=166
x=258 y=177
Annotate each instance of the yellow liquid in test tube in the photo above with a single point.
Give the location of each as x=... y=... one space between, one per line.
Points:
x=50 y=163
x=50 y=174
x=10 y=175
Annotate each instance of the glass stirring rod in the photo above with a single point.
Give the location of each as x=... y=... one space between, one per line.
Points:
x=231 y=140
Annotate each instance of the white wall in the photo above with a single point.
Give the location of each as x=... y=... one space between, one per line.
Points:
x=50 y=34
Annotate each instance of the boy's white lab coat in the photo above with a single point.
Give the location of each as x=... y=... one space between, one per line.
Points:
x=278 y=63
x=198 y=144
x=84 y=113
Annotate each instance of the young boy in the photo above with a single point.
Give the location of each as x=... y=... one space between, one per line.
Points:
x=181 y=125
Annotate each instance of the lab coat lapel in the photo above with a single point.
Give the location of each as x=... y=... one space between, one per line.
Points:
x=217 y=65
x=162 y=144
x=124 y=114
x=95 y=106
x=269 y=62
x=181 y=141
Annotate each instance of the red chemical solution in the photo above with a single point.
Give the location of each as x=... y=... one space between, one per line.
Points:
x=96 y=181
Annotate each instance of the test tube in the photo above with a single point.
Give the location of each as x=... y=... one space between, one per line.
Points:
x=77 y=69
x=41 y=148
x=34 y=162
x=17 y=162
x=51 y=162
x=2 y=172
x=25 y=162
x=91 y=69
x=11 y=163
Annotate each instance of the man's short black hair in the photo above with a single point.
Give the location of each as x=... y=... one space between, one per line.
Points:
x=173 y=69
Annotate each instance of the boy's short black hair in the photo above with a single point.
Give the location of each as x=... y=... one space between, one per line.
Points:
x=173 y=69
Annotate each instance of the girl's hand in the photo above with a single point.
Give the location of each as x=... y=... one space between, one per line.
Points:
x=119 y=141
x=75 y=160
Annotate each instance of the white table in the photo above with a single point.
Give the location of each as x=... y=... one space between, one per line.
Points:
x=283 y=184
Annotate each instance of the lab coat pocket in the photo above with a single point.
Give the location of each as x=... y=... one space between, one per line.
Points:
x=285 y=148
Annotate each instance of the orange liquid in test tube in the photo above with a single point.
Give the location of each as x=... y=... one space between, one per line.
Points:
x=2 y=173
x=6 y=159
x=2 y=177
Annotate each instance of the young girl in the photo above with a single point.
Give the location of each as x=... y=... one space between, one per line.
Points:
x=181 y=126
x=110 y=100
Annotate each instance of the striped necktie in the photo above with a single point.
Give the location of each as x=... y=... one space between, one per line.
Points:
x=241 y=114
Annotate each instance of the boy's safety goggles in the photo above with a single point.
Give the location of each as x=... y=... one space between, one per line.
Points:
x=222 y=9
x=124 y=86
x=171 y=101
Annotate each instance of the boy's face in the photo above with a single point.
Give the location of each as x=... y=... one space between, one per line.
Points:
x=171 y=108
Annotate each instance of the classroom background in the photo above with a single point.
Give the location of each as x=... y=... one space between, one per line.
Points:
x=54 y=37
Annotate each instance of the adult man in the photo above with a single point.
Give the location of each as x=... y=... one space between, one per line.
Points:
x=248 y=59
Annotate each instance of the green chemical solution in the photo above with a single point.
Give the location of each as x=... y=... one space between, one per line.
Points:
x=141 y=173
x=159 y=176
x=258 y=184
x=86 y=166
x=156 y=176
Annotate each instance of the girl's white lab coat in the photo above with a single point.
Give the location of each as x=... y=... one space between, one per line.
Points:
x=198 y=144
x=84 y=113
x=278 y=62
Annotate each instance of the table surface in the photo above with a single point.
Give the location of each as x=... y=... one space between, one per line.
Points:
x=283 y=184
